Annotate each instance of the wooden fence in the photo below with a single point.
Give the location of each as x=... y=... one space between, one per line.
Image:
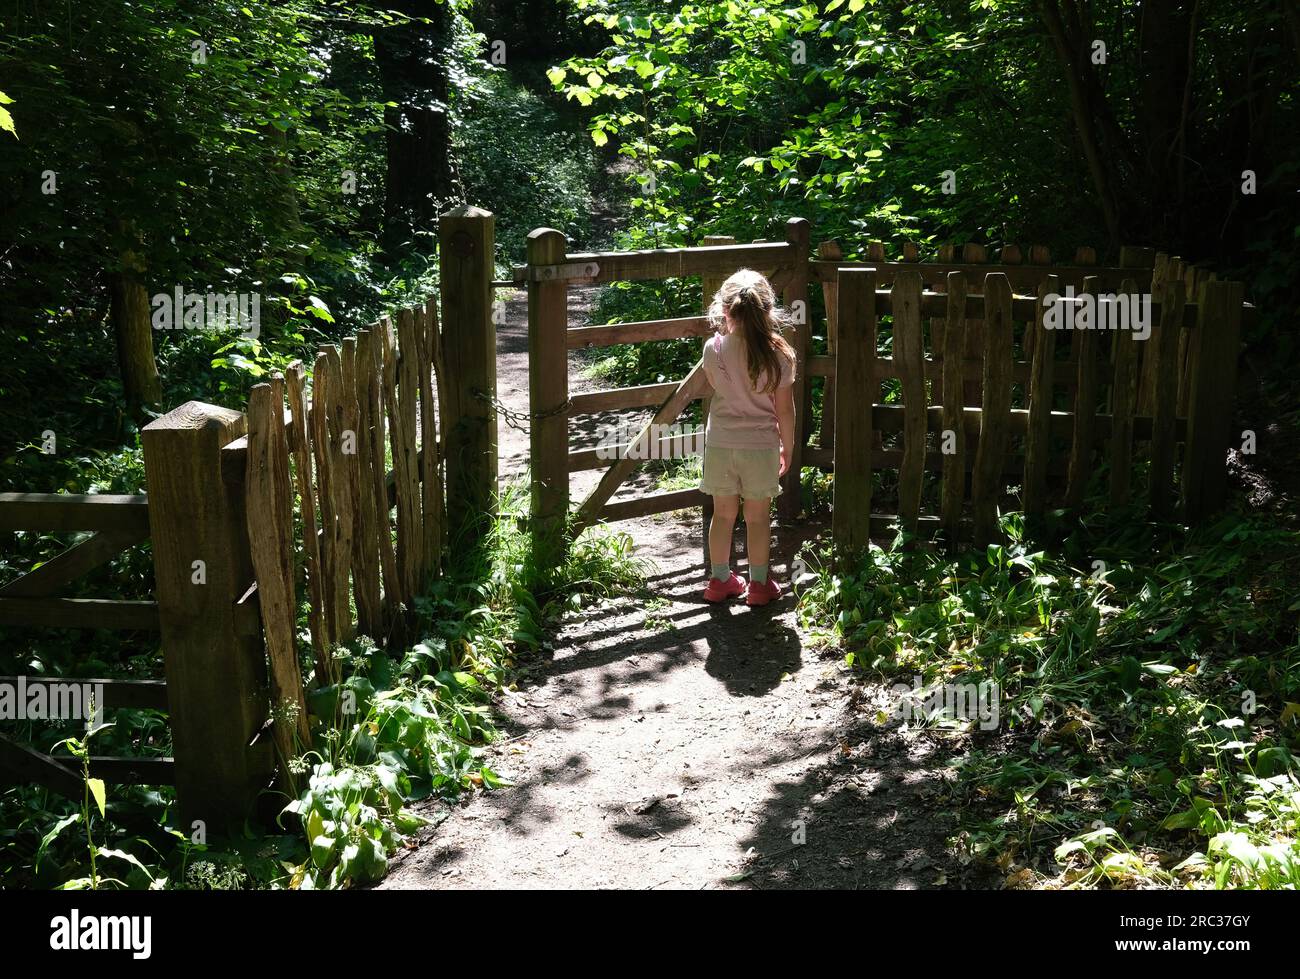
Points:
x=352 y=491
x=988 y=397
x=344 y=492
x=371 y=539
x=1013 y=414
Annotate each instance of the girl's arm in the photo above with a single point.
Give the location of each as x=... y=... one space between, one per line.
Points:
x=785 y=423
x=707 y=358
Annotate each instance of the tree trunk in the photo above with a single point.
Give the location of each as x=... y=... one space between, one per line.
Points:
x=285 y=197
x=129 y=314
x=412 y=60
x=1075 y=66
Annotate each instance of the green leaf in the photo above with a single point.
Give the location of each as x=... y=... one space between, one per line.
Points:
x=315 y=824
x=1237 y=846
x=96 y=786
x=322 y=849
x=58 y=828
x=1130 y=670
x=1159 y=669
x=123 y=855
x=1188 y=818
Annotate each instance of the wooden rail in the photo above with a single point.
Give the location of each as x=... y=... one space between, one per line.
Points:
x=608 y=334
x=664 y=263
x=619 y=399
x=117 y=522
x=59 y=513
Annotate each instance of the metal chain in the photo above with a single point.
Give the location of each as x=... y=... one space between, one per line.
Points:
x=518 y=420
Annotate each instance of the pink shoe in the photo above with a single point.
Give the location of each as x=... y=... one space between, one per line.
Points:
x=760 y=593
x=719 y=591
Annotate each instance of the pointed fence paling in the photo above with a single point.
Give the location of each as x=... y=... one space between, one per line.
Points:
x=1026 y=414
x=324 y=508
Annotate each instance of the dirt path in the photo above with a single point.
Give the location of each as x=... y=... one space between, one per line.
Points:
x=676 y=744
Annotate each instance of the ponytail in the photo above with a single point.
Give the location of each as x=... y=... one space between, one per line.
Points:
x=748 y=301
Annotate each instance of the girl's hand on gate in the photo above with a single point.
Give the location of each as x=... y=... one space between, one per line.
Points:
x=785 y=462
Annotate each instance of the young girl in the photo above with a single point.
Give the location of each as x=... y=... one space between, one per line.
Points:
x=751 y=426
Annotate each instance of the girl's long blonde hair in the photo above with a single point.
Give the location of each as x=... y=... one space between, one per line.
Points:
x=747 y=299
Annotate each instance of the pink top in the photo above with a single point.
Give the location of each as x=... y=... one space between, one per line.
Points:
x=739 y=417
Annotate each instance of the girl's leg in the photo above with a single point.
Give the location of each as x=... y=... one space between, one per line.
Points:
x=725 y=509
x=758 y=536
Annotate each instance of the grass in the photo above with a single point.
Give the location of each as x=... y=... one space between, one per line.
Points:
x=1149 y=682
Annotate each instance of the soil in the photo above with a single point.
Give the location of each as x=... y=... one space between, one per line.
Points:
x=671 y=743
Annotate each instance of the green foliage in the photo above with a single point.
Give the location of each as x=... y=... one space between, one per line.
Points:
x=1146 y=702
x=952 y=122
x=343 y=812
x=189 y=155
x=746 y=114
x=6 y=119
x=524 y=161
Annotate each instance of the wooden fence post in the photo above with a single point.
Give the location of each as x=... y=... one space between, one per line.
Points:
x=855 y=367
x=467 y=255
x=1123 y=404
x=269 y=493
x=1164 y=394
x=972 y=347
x=909 y=361
x=987 y=481
x=1038 y=429
x=548 y=393
x=829 y=251
x=952 y=329
x=1214 y=349
x=798 y=233
x=1084 y=351
x=216 y=671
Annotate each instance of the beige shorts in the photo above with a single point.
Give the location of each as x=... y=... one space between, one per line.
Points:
x=751 y=473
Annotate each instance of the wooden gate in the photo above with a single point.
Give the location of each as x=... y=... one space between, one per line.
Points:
x=32 y=600
x=549 y=272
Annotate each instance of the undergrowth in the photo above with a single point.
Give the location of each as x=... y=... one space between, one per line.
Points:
x=1149 y=686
